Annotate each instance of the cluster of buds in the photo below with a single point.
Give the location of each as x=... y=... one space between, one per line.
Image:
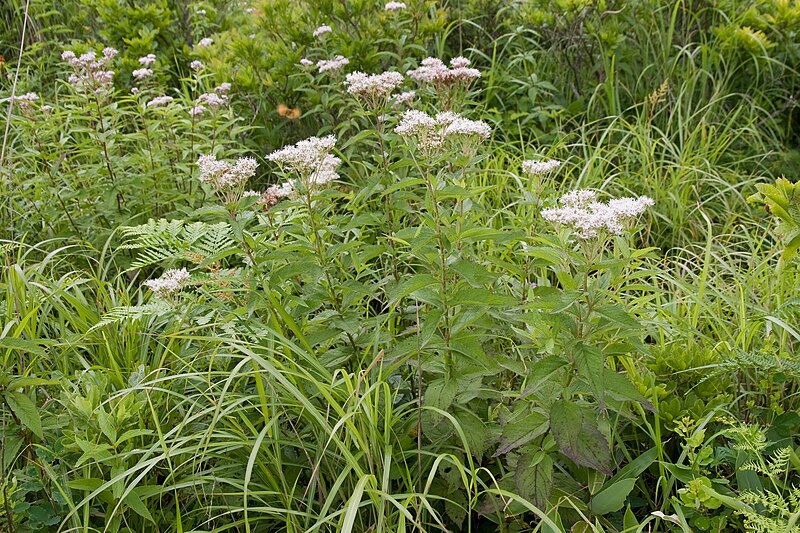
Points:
x=374 y=89
x=589 y=218
x=160 y=101
x=25 y=103
x=431 y=134
x=227 y=180
x=91 y=73
x=395 y=6
x=311 y=159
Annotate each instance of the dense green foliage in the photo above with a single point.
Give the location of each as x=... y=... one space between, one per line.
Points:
x=411 y=345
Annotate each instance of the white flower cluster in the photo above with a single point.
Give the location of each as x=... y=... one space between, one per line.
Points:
x=214 y=100
x=334 y=64
x=311 y=159
x=275 y=193
x=147 y=61
x=435 y=72
x=142 y=74
x=430 y=133
x=196 y=65
x=205 y=41
x=395 y=6
x=589 y=218
x=322 y=30
x=538 y=167
x=373 y=88
x=90 y=72
x=24 y=101
x=159 y=101
x=222 y=176
x=403 y=98
x=170 y=282
x=306 y=62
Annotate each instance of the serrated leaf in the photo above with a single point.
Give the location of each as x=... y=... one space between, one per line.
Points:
x=533 y=478
x=522 y=429
x=578 y=438
x=25 y=410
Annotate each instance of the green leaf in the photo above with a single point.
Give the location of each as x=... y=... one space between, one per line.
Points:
x=522 y=429
x=619 y=387
x=25 y=410
x=480 y=296
x=409 y=286
x=533 y=478
x=135 y=503
x=612 y=498
x=577 y=438
x=543 y=369
x=590 y=362
x=440 y=393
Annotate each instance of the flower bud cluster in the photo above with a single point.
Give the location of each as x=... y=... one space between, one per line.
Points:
x=91 y=73
x=395 y=6
x=435 y=72
x=589 y=218
x=159 y=101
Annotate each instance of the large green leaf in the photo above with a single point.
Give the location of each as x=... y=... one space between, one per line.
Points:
x=25 y=410
x=578 y=437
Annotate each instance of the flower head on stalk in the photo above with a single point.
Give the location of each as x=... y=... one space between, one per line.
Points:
x=433 y=135
x=591 y=219
x=373 y=89
x=227 y=180
x=90 y=72
x=169 y=284
x=311 y=160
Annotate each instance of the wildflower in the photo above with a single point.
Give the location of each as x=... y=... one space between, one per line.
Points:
x=159 y=101
x=24 y=101
x=311 y=159
x=46 y=109
x=306 y=62
x=446 y=81
x=375 y=88
x=334 y=64
x=213 y=100
x=275 y=193
x=589 y=218
x=197 y=111
x=170 y=282
x=201 y=11
x=248 y=194
x=90 y=72
x=430 y=133
x=134 y=91
x=226 y=179
x=222 y=88
x=142 y=74
x=148 y=60
x=196 y=65
x=466 y=127
x=404 y=98
x=538 y=167
x=322 y=30
x=205 y=41
x=395 y=6
x=249 y=10
x=304 y=157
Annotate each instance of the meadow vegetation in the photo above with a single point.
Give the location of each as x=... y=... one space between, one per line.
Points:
x=349 y=265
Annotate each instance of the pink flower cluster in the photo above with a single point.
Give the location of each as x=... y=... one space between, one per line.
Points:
x=435 y=72
x=91 y=73
x=214 y=100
